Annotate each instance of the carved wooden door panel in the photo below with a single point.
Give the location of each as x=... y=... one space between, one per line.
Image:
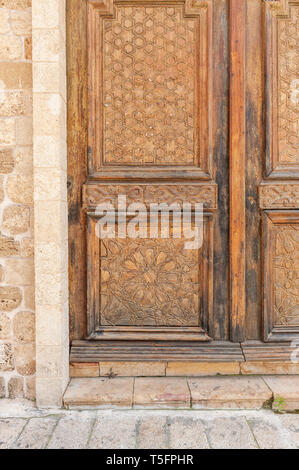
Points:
x=174 y=101
x=157 y=133
x=279 y=192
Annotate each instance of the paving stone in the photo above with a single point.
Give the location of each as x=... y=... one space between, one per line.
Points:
x=10 y=429
x=100 y=392
x=228 y=392
x=285 y=390
x=269 y=434
x=152 y=433
x=114 y=432
x=161 y=392
x=291 y=424
x=71 y=433
x=36 y=433
x=229 y=433
x=187 y=433
x=268 y=368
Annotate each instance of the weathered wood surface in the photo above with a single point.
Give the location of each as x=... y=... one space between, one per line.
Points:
x=237 y=21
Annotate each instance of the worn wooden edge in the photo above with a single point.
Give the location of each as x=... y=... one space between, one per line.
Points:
x=148 y=333
x=237 y=36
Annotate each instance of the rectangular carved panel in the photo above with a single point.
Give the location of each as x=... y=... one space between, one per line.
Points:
x=149 y=282
x=279 y=195
x=282 y=86
x=205 y=193
x=149 y=87
x=281 y=276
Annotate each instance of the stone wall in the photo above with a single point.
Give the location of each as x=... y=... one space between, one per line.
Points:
x=17 y=318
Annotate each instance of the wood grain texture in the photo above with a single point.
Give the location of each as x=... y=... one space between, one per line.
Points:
x=281 y=19
x=237 y=168
x=281 y=274
x=96 y=351
x=255 y=142
x=77 y=118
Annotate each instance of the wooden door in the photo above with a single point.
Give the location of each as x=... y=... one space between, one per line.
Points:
x=184 y=101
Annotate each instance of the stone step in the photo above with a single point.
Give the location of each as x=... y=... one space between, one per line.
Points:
x=184 y=392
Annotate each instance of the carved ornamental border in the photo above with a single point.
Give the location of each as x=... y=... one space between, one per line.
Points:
x=276 y=11
x=202 y=9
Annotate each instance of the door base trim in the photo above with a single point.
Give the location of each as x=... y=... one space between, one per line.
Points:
x=143 y=333
x=96 y=351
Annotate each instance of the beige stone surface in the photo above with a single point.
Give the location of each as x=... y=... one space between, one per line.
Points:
x=16 y=4
x=2 y=387
x=19 y=188
x=229 y=433
x=6 y=161
x=30 y=388
x=10 y=47
x=187 y=433
x=46 y=45
x=21 y=22
x=112 y=432
x=10 y=298
x=161 y=392
x=285 y=391
x=15 y=75
x=268 y=367
x=24 y=131
x=16 y=219
x=9 y=247
x=14 y=103
x=4 y=21
x=100 y=392
x=16 y=387
x=134 y=369
x=5 y=326
x=36 y=434
x=71 y=434
x=87 y=369
x=6 y=357
x=9 y=431
x=7 y=130
x=20 y=272
x=24 y=327
x=25 y=358
x=152 y=433
x=202 y=368
x=229 y=392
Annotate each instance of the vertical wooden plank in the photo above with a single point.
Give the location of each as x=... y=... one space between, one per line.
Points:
x=255 y=141
x=237 y=168
x=77 y=155
x=219 y=326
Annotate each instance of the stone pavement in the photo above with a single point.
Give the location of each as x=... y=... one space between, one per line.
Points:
x=22 y=426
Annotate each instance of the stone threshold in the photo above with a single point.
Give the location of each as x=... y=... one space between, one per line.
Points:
x=180 y=369
x=281 y=393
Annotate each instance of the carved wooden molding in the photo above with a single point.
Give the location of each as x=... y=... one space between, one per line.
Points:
x=282 y=88
x=281 y=275
x=147 y=283
x=150 y=89
x=279 y=196
x=94 y=194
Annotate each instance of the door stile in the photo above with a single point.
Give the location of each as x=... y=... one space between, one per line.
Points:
x=237 y=16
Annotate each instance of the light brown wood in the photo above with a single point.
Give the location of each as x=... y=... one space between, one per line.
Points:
x=237 y=168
